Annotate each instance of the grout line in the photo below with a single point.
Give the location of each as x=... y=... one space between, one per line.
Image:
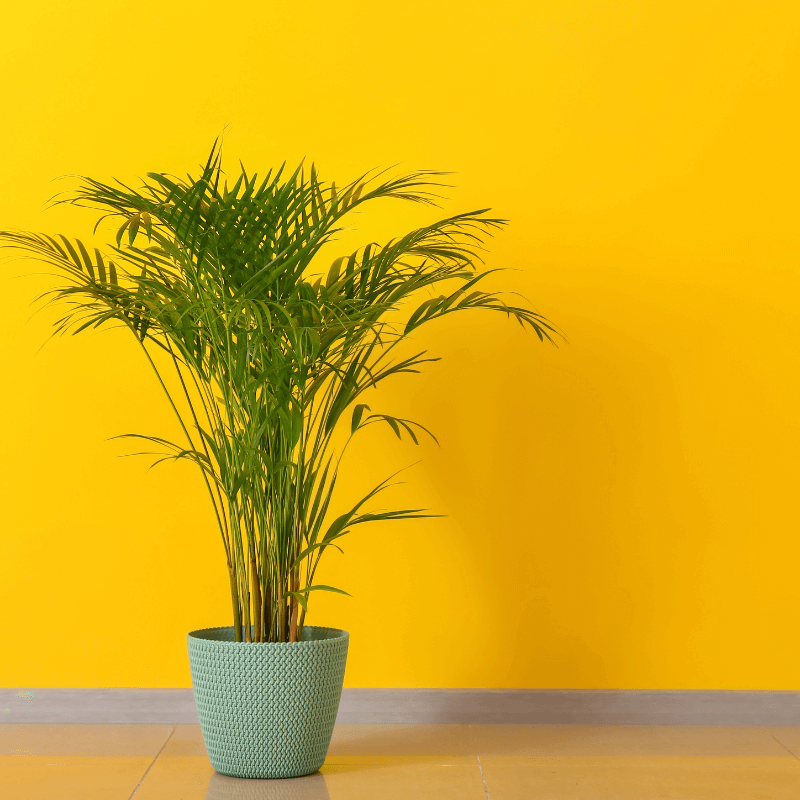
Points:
x=783 y=746
x=174 y=728
x=483 y=778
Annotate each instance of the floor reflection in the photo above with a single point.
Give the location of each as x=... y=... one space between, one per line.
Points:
x=310 y=787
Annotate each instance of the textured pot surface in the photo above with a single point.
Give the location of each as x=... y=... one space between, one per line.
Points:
x=267 y=710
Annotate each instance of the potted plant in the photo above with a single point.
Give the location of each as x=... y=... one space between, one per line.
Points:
x=264 y=360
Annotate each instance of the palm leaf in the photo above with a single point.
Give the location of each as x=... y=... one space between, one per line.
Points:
x=259 y=356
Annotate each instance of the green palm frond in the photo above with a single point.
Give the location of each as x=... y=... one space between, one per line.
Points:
x=268 y=358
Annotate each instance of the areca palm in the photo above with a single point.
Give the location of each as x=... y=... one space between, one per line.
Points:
x=263 y=361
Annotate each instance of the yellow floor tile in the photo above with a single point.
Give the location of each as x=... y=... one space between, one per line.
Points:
x=71 y=778
x=192 y=778
x=783 y=762
x=422 y=759
x=408 y=782
x=178 y=778
x=401 y=744
x=28 y=739
x=641 y=783
x=384 y=762
x=497 y=743
x=789 y=737
x=186 y=741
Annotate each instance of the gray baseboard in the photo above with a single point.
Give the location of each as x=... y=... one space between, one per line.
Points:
x=426 y=706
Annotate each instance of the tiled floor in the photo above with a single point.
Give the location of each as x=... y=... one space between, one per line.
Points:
x=413 y=762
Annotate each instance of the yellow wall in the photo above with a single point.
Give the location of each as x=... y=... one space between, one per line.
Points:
x=623 y=510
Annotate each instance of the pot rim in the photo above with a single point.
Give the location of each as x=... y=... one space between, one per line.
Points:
x=332 y=634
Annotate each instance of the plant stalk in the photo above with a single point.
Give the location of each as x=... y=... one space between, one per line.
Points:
x=293 y=606
x=256 y=595
x=237 y=615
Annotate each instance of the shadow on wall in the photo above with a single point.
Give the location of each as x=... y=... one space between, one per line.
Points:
x=552 y=494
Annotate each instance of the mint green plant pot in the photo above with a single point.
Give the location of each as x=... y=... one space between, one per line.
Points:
x=267 y=710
